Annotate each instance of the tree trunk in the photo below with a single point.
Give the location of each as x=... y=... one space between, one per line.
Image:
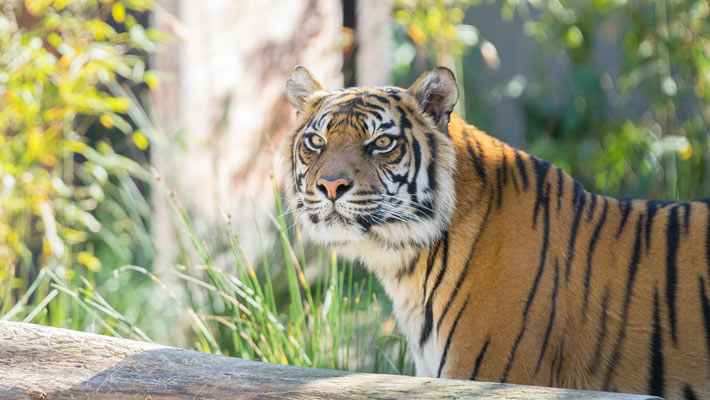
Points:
x=223 y=108
x=374 y=54
x=39 y=362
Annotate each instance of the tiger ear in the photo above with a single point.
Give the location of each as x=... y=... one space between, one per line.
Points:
x=437 y=93
x=300 y=87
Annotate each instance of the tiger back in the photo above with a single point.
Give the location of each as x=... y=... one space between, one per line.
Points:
x=500 y=266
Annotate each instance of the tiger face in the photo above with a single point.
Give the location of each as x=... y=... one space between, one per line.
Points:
x=371 y=167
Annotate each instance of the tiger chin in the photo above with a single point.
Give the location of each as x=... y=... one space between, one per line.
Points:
x=500 y=266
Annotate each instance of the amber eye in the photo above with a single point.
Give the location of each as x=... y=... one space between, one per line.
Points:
x=383 y=141
x=316 y=141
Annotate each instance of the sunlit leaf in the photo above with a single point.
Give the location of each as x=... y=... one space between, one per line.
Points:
x=140 y=140
x=107 y=121
x=118 y=12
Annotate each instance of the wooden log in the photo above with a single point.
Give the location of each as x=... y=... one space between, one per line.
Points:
x=38 y=362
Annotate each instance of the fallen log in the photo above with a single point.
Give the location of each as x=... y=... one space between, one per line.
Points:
x=38 y=362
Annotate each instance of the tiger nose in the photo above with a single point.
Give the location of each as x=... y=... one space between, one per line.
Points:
x=334 y=188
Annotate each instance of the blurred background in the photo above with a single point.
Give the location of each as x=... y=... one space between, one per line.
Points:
x=139 y=185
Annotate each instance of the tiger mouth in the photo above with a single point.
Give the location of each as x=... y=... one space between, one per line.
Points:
x=336 y=217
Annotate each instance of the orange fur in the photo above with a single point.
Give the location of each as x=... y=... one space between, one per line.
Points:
x=529 y=279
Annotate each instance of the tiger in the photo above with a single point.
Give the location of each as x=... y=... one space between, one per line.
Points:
x=500 y=266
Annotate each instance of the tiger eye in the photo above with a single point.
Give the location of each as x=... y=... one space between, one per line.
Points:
x=383 y=141
x=317 y=141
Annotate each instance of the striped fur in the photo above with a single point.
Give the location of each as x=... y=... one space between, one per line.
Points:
x=501 y=267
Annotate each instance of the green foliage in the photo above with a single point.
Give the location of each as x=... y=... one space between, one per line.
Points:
x=432 y=32
x=68 y=202
x=644 y=133
x=437 y=25
x=333 y=321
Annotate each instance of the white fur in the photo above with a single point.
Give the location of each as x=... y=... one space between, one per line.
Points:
x=387 y=248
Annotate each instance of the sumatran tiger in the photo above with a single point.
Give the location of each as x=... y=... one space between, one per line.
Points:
x=500 y=266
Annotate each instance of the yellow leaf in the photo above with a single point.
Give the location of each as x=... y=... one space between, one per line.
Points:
x=106 y=121
x=65 y=61
x=89 y=261
x=151 y=80
x=76 y=147
x=417 y=34
x=686 y=152
x=574 y=37
x=34 y=6
x=54 y=39
x=140 y=140
x=118 y=12
x=49 y=160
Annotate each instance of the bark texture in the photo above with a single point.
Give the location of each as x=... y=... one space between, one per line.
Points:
x=40 y=362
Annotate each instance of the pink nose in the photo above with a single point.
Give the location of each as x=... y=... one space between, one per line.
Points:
x=333 y=188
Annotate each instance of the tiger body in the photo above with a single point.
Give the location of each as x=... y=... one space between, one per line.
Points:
x=500 y=266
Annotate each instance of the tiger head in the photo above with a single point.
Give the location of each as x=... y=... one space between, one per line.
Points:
x=371 y=169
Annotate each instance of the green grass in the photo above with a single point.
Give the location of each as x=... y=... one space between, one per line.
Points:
x=331 y=319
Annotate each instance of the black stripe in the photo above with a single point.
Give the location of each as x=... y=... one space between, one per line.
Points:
x=551 y=321
x=672 y=240
x=559 y=358
x=380 y=98
x=625 y=208
x=686 y=216
x=431 y=176
x=428 y=309
x=476 y=159
x=504 y=163
x=630 y=280
x=412 y=184
x=464 y=270
x=409 y=270
x=552 y=369
x=404 y=122
x=602 y=332
x=318 y=102
x=540 y=169
x=579 y=199
x=705 y=305
x=521 y=169
x=430 y=265
x=515 y=180
x=499 y=186
x=386 y=125
x=656 y=380
x=533 y=290
x=590 y=252
x=479 y=359
x=314 y=218
x=319 y=123
x=451 y=333
x=688 y=393
x=393 y=92
x=652 y=208
x=366 y=222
